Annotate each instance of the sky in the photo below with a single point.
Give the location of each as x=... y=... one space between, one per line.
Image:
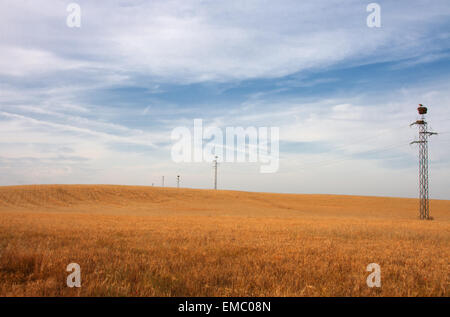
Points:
x=96 y=104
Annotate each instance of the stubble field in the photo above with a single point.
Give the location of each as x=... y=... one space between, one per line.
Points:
x=149 y=241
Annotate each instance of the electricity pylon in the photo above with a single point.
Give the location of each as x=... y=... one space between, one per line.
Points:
x=423 y=162
x=215 y=172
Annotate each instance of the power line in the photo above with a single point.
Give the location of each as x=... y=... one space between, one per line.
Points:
x=325 y=163
x=363 y=140
x=351 y=156
x=360 y=141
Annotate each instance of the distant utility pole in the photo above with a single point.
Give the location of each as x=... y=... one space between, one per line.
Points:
x=215 y=172
x=162 y=181
x=178 y=181
x=423 y=162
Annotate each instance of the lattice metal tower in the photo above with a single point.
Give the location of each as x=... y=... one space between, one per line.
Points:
x=423 y=162
x=215 y=172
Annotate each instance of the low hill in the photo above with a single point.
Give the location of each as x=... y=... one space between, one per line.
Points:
x=152 y=241
x=158 y=200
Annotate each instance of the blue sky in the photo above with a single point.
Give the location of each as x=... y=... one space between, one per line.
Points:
x=97 y=104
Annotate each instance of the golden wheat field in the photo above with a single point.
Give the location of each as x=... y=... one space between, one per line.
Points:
x=150 y=241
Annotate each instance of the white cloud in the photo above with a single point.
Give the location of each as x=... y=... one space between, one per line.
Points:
x=211 y=40
x=47 y=135
x=18 y=61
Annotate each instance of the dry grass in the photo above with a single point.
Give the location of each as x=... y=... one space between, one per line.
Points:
x=141 y=241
